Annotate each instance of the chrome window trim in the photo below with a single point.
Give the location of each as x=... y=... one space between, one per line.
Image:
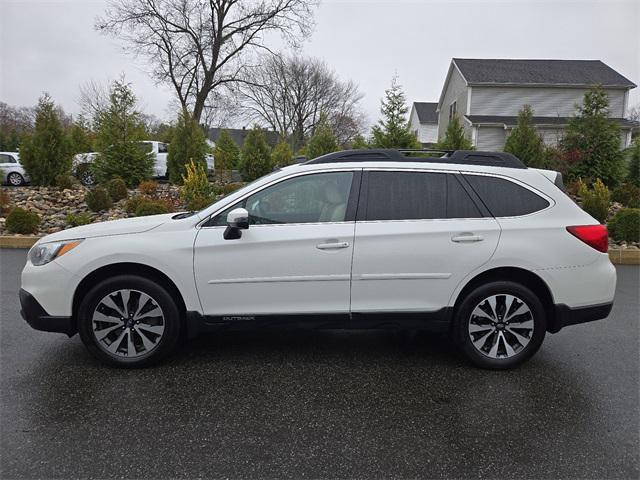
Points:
x=201 y=225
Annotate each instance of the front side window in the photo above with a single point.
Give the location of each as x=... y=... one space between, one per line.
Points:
x=321 y=197
x=162 y=148
x=504 y=198
x=417 y=196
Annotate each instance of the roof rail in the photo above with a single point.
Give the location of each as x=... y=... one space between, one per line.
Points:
x=460 y=157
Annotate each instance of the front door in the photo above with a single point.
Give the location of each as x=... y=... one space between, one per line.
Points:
x=294 y=259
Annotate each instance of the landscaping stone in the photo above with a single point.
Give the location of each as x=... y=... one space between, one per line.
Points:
x=53 y=204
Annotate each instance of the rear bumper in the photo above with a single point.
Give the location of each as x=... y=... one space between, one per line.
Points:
x=39 y=319
x=565 y=316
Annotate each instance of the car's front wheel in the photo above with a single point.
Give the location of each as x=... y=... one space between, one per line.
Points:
x=129 y=321
x=15 y=179
x=499 y=325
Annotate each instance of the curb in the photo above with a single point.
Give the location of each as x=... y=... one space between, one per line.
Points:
x=618 y=257
x=15 y=241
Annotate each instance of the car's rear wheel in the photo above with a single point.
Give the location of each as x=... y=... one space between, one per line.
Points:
x=499 y=325
x=129 y=321
x=15 y=179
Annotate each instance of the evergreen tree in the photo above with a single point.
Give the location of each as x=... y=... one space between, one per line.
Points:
x=359 y=143
x=188 y=144
x=454 y=137
x=282 y=154
x=393 y=130
x=255 y=160
x=119 y=131
x=226 y=152
x=524 y=141
x=633 y=176
x=595 y=140
x=323 y=140
x=46 y=153
x=81 y=137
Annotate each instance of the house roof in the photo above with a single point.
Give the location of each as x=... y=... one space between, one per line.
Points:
x=509 y=121
x=239 y=134
x=427 y=111
x=478 y=71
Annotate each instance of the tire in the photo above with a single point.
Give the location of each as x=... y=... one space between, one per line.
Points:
x=499 y=325
x=15 y=179
x=137 y=336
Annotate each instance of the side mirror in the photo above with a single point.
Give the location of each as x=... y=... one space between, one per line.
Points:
x=237 y=220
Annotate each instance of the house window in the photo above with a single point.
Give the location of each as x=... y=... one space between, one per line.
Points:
x=453 y=109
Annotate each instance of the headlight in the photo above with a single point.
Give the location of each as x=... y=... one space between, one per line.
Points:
x=45 y=252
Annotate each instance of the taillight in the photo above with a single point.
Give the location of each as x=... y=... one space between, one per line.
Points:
x=595 y=236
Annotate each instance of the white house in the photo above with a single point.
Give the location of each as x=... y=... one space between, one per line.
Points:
x=487 y=94
x=424 y=122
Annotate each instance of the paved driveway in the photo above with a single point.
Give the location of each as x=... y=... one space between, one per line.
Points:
x=328 y=404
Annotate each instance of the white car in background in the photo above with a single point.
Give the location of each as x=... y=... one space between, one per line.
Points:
x=12 y=172
x=159 y=150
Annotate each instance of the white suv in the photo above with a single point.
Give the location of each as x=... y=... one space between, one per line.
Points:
x=472 y=243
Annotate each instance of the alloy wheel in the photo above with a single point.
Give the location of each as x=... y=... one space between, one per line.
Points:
x=15 y=179
x=501 y=326
x=128 y=323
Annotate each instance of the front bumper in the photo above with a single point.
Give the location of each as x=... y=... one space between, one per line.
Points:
x=39 y=319
x=565 y=316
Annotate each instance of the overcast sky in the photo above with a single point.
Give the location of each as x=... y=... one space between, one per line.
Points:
x=51 y=45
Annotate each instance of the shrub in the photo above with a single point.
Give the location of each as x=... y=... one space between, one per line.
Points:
x=22 y=221
x=188 y=144
x=627 y=194
x=625 y=225
x=282 y=154
x=5 y=200
x=595 y=201
x=151 y=207
x=228 y=188
x=98 y=199
x=524 y=141
x=633 y=175
x=255 y=160
x=65 y=181
x=148 y=187
x=47 y=152
x=77 y=219
x=196 y=189
x=226 y=152
x=117 y=189
x=132 y=204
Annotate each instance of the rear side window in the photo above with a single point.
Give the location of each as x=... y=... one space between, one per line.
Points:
x=504 y=198
x=417 y=196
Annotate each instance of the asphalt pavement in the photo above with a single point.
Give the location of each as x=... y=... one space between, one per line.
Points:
x=321 y=405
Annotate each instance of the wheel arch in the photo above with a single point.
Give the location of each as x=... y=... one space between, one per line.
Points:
x=519 y=275
x=126 y=268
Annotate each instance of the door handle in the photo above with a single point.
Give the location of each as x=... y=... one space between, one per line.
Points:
x=332 y=245
x=467 y=237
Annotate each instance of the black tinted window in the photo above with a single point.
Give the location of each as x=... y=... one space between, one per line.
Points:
x=416 y=196
x=505 y=198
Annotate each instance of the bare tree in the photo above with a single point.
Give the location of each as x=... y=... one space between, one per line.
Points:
x=197 y=46
x=288 y=93
x=634 y=113
x=94 y=98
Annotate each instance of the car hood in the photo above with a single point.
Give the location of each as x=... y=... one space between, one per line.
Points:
x=113 y=227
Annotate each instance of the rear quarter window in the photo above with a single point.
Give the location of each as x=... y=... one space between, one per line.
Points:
x=505 y=198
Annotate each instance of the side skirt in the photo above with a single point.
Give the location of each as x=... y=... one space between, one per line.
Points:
x=436 y=321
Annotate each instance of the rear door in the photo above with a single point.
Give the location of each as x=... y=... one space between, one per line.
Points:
x=418 y=234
